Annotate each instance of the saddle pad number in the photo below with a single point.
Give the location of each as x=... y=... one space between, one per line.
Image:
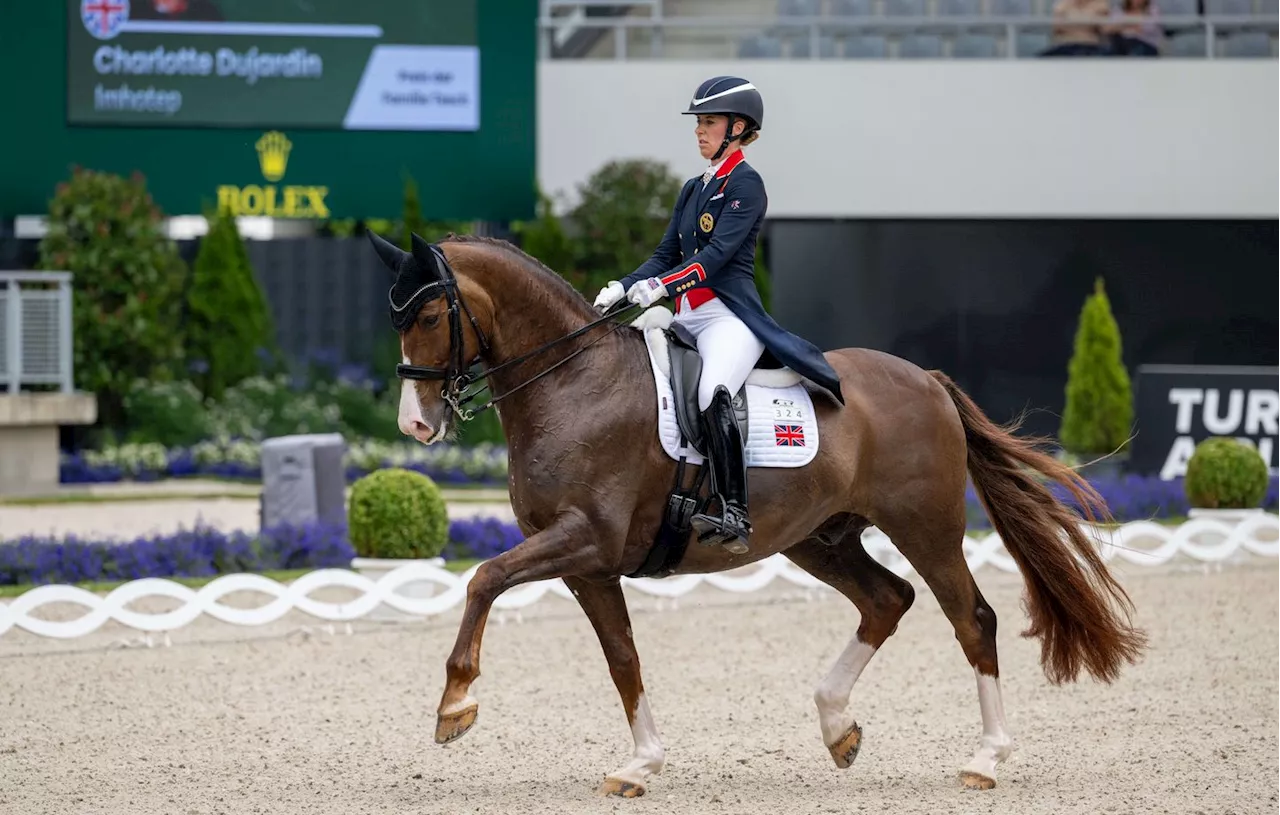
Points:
x=786 y=409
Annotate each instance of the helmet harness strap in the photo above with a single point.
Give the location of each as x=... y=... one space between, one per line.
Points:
x=728 y=137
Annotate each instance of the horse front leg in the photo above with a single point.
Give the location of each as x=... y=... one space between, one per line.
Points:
x=606 y=608
x=566 y=547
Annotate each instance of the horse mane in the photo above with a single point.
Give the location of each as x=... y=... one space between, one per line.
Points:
x=539 y=269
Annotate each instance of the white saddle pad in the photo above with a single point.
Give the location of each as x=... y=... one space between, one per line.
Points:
x=782 y=430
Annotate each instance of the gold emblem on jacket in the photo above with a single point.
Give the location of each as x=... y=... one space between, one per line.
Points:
x=706 y=222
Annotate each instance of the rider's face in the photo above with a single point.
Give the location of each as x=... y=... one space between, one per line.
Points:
x=709 y=131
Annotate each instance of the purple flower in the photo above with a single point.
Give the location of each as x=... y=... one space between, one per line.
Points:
x=205 y=551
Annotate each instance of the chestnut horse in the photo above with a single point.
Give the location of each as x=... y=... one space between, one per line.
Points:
x=585 y=464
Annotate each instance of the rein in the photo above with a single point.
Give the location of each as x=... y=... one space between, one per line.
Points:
x=455 y=393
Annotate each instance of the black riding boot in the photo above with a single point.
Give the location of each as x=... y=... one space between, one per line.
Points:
x=728 y=469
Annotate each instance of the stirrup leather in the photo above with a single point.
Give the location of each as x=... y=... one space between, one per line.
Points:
x=732 y=528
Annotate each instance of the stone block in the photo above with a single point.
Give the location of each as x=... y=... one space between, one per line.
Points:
x=29 y=425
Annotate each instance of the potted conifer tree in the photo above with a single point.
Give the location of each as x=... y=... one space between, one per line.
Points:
x=1099 y=406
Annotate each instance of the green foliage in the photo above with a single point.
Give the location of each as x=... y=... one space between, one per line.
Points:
x=397 y=513
x=1226 y=473
x=228 y=321
x=545 y=238
x=362 y=412
x=172 y=414
x=128 y=283
x=412 y=218
x=1099 y=407
x=622 y=213
x=260 y=407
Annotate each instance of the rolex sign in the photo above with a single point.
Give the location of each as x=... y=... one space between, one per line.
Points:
x=1178 y=406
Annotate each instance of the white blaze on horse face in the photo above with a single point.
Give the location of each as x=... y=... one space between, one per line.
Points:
x=997 y=744
x=411 y=421
x=832 y=695
x=649 y=755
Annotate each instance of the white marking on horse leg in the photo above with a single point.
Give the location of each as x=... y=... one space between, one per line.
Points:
x=996 y=744
x=459 y=706
x=832 y=695
x=649 y=756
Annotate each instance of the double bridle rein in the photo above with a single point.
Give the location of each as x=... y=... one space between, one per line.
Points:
x=456 y=376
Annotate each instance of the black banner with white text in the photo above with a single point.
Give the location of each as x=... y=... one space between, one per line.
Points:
x=1178 y=406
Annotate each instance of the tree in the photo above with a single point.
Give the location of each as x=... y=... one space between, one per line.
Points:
x=1099 y=407
x=128 y=283
x=623 y=211
x=228 y=321
x=412 y=216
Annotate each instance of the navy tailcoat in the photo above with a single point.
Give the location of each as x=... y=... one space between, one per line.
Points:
x=711 y=243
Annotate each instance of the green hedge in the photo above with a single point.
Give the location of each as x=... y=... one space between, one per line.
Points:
x=1226 y=473
x=397 y=513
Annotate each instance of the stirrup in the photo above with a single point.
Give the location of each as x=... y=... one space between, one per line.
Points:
x=731 y=529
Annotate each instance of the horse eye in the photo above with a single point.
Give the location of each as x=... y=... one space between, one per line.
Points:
x=430 y=320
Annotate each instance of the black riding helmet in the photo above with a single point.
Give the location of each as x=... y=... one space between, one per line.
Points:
x=734 y=97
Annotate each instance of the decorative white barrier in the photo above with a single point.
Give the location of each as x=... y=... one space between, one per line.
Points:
x=1204 y=539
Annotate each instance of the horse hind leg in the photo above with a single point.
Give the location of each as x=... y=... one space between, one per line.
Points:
x=939 y=559
x=881 y=598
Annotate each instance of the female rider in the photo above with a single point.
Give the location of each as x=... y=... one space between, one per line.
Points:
x=706 y=261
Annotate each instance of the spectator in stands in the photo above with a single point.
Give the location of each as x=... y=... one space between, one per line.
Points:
x=1142 y=38
x=1087 y=38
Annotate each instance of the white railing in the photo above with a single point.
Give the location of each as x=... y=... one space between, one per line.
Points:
x=35 y=330
x=1201 y=540
x=803 y=37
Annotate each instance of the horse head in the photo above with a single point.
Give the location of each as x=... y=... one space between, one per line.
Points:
x=437 y=345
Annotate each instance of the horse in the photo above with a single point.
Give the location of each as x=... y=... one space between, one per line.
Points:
x=584 y=456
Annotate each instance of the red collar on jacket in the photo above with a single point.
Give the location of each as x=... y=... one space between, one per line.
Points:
x=735 y=158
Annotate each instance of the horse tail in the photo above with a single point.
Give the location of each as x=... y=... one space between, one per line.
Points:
x=1070 y=592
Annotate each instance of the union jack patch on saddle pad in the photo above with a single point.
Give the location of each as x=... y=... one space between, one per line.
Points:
x=788 y=435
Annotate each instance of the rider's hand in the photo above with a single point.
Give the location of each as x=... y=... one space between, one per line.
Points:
x=647 y=292
x=609 y=295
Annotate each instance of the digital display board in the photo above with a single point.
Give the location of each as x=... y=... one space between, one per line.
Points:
x=274 y=64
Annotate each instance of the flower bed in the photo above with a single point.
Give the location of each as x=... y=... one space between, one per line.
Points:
x=239 y=459
x=1129 y=497
x=206 y=552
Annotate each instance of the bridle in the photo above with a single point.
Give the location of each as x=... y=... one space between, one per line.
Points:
x=457 y=376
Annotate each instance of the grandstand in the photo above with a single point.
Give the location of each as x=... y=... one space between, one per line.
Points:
x=877 y=29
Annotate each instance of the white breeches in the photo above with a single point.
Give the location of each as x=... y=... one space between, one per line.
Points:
x=728 y=348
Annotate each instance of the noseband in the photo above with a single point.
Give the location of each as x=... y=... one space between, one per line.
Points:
x=457 y=376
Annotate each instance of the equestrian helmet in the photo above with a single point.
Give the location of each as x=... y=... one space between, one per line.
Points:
x=730 y=95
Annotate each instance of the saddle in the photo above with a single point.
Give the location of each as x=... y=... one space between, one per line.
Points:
x=684 y=503
x=686 y=373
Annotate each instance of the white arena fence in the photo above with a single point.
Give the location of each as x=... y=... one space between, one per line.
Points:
x=1206 y=540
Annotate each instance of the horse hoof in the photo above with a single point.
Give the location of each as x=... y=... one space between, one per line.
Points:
x=620 y=788
x=976 y=781
x=453 y=726
x=846 y=749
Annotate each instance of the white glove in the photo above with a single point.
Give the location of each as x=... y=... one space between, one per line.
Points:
x=609 y=295
x=647 y=292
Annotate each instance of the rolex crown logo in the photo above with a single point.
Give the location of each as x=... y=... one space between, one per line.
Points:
x=273 y=154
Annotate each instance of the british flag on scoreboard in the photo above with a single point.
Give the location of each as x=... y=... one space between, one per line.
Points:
x=788 y=435
x=104 y=18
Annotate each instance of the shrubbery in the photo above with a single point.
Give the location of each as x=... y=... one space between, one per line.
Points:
x=1226 y=473
x=128 y=283
x=397 y=513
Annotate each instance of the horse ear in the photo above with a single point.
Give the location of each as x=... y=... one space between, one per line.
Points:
x=426 y=257
x=392 y=256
